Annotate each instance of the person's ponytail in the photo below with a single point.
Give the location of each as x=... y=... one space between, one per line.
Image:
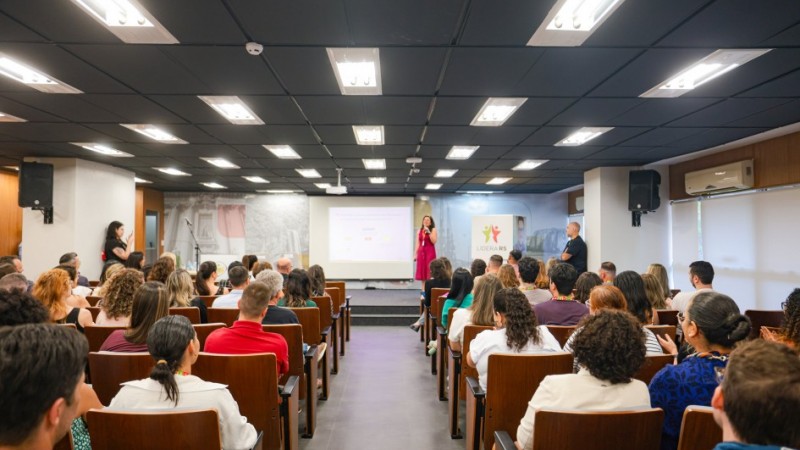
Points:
x=167 y=342
x=164 y=373
x=719 y=319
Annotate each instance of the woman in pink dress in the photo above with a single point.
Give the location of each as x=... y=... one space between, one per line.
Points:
x=425 y=249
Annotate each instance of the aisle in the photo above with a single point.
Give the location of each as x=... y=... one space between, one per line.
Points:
x=383 y=397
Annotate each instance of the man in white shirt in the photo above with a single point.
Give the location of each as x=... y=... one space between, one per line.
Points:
x=239 y=278
x=701 y=275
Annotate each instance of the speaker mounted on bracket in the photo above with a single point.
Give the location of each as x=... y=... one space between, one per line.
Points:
x=643 y=194
x=36 y=188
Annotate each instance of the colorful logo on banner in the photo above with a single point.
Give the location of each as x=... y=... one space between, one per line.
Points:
x=491 y=232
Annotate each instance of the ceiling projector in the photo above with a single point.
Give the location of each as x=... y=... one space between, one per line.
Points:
x=336 y=190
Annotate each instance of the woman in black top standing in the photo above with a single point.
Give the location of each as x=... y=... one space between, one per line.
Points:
x=115 y=249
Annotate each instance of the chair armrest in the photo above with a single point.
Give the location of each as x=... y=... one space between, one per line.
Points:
x=475 y=387
x=326 y=331
x=336 y=316
x=311 y=352
x=290 y=386
x=259 y=438
x=503 y=441
x=442 y=331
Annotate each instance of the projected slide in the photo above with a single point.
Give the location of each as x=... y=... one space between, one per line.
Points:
x=369 y=234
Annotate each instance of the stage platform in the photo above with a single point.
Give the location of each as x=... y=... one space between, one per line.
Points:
x=384 y=307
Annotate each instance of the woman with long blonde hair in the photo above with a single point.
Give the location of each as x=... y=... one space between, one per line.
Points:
x=52 y=288
x=508 y=276
x=180 y=293
x=481 y=312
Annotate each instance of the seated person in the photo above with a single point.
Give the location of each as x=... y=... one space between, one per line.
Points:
x=71 y=259
x=757 y=401
x=611 y=350
x=516 y=331
x=789 y=333
x=440 y=279
x=246 y=335
x=115 y=307
x=480 y=312
x=174 y=346
x=150 y=303
x=18 y=307
x=460 y=295
x=52 y=288
x=239 y=278
x=276 y=315
x=180 y=291
x=528 y=274
x=632 y=287
x=298 y=290
x=584 y=285
x=562 y=309
x=14 y=281
x=74 y=300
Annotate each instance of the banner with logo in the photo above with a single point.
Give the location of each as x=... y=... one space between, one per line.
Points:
x=493 y=235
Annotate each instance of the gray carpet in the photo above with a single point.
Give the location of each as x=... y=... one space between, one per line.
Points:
x=384 y=297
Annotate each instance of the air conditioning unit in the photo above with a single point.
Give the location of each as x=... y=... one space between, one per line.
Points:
x=726 y=178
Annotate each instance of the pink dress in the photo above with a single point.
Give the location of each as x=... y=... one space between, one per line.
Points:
x=425 y=254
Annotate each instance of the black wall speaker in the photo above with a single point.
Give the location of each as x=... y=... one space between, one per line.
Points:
x=643 y=190
x=35 y=185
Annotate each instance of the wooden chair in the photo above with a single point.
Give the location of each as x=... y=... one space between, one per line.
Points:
x=592 y=430
x=68 y=325
x=760 y=318
x=663 y=330
x=94 y=283
x=652 y=364
x=434 y=317
x=699 y=431
x=190 y=312
x=253 y=382
x=338 y=315
x=223 y=315
x=313 y=335
x=93 y=299
x=198 y=430
x=667 y=317
x=458 y=370
x=511 y=381
x=329 y=328
x=109 y=370
x=207 y=300
x=96 y=335
x=441 y=356
x=561 y=332
x=204 y=329
x=95 y=310
x=346 y=304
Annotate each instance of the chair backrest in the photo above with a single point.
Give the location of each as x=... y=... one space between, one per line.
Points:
x=470 y=331
x=510 y=383
x=309 y=320
x=68 y=325
x=437 y=302
x=652 y=364
x=94 y=283
x=337 y=296
x=92 y=299
x=204 y=329
x=663 y=330
x=223 y=315
x=325 y=305
x=253 y=382
x=109 y=370
x=96 y=335
x=598 y=430
x=450 y=313
x=338 y=284
x=207 y=300
x=293 y=333
x=561 y=332
x=95 y=310
x=190 y=312
x=699 y=431
x=198 y=430
x=760 y=318
x=667 y=317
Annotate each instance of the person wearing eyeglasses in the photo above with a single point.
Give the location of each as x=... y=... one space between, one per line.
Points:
x=789 y=334
x=712 y=324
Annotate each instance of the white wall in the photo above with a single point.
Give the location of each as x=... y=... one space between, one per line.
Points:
x=86 y=197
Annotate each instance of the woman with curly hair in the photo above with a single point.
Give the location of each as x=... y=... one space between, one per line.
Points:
x=109 y=270
x=611 y=350
x=115 y=307
x=789 y=333
x=52 y=288
x=508 y=276
x=161 y=270
x=480 y=312
x=298 y=290
x=516 y=331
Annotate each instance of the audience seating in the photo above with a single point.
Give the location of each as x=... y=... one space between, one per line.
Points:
x=441 y=356
x=96 y=335
x=223 y=315
x=93 y=299
x=109 y=369
x=652 y=364
x=190 y=312
x=198 y=430
x=458 y=371
x=313 y=335
x=346 y=304
x=94 y=283
x=204 y=329
x=760 y=318
x=434 y=317
x=699 y=431
x=338 y=315
x=663 y=330
x=253 y=382
x=95 y=310
x=207 y=300
x=561 y=332
x=592 y=430
x=667 y=317
x=68 y=325
x=511 y=381
x=328 y=325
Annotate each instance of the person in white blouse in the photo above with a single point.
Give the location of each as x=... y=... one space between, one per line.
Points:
x=480 y=312
x=174 y=346
x=611 y=350
x=516 y=331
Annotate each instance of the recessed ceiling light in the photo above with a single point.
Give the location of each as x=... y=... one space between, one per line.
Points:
x=154 y=132
x=479 y=192
x=276 y=191
x=368 y=134
x=128 y=20
x=140 y=180
x=322 y=185
x=377 y=180
x=374 y=164
x=357 y=70
x=445 y=173
x=102 y=149
x=496 y=111
x=282 y=151
x=33 y=78
x=570 y=22
x=221 y=163
x=214 y=185
x=9 y=118
x=308 y=173
x=498 y=180
x=529 y=164
x=232 y=108
x=256 y=179
x=433 y=186
x=582 y=136
x=16 y=168
x=461 y=152
x=172 y=171
x=703 y=71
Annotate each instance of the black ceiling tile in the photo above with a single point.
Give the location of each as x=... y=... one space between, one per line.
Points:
x=661 y=153
x=618 y=135
x=760 y=70
x=23 y=149
x=188 y=108
x=9 y=106
x=785 y=86
x=316 y=22
x=548 y=136
x=788 y=37
x=396 y=110
x=74 y=108
x=410 y=22
x=303 y=70
x=595 y=112
x=631 y=155
x=48 y=132
x=333 y=110
x=342 y=134
x=658 y=111
x=193 y=150
x=661 y=136
x=13 y=31
x=468 y=135
x=458 y=110
x=492 y=72
x=537 y=111
x=728 y=111
x=483 y=152
x=274 y=110
x=713 y=137
x=578 y=152
x=511 y=22
x=778 y=116
x=529 y=152
x=288 y=135
x=410 y=71
x=208 y=23
x=373 y=151
x=641 y=23
x=132 y=108
x=188 y=133
x=59 y=21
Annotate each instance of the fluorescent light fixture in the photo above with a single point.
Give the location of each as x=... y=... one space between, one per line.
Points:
x=256 y=179
x=282 y=151
x=38 y=80
x=322 y=185
x=276 y=191
x=12 y=168
x=529 y=164
x=154 y=132
x=102 y=149
x=357 y=70
x=140 y=180
x=445 y=173
x=308 y=173
x=374 y=164
x=9 y=118
x=582 y=136
x=570 y=22
x=128 y=20
x=496 y=111
x=433 y=186
x=172 y=171
x=221 y=163
x=479 y=192
x=232 y=108
x=703 y=71
x=498 y=180
x=214 y=185
x=377 y=180
x=461 y=152
x=368 y=134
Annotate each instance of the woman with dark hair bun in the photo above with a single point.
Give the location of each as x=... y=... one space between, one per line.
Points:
x=712 y=325
x=173 y=344
x=114 y=248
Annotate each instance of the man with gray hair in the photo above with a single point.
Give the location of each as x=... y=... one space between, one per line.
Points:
x=276 y=315
x=71 y=259
x=14 y=281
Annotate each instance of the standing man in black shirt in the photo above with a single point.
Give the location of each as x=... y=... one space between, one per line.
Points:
x=575 y=251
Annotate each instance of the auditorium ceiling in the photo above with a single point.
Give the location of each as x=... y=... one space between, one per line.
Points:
x=440 y=60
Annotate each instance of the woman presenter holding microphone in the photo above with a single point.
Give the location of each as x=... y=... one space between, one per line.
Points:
x=425 y=249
